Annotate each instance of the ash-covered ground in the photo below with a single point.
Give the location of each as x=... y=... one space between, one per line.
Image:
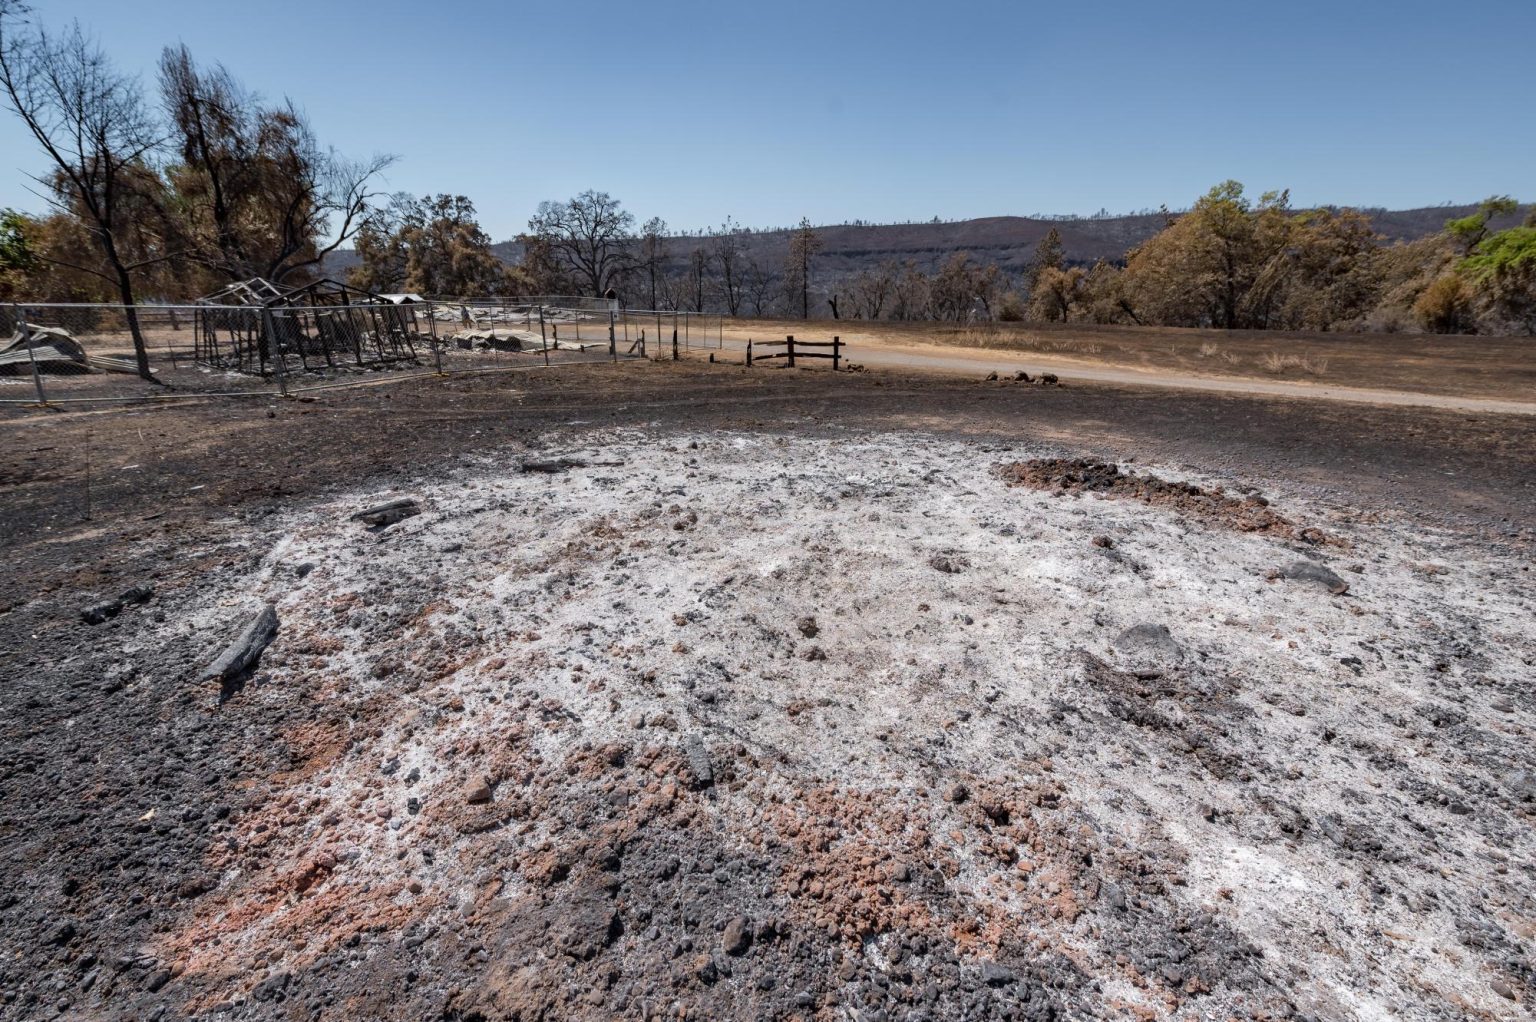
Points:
x=730 y=725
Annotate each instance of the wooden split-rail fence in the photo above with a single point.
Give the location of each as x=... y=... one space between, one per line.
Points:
x=798 y=349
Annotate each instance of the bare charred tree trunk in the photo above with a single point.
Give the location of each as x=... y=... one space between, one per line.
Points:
x=803 y=243
x=131 y=311
x=653 y=247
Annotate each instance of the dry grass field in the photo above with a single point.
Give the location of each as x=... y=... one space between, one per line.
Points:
x=1469 y=366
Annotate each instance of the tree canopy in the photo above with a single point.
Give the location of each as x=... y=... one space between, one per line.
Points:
x=430 y=246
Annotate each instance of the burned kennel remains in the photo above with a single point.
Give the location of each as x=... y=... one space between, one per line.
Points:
x=257 y=326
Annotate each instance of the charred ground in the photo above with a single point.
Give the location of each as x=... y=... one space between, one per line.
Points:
x=130 y=794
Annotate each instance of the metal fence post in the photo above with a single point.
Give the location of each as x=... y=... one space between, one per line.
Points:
x=270 y=322
x=437 y=347
x=26 y=338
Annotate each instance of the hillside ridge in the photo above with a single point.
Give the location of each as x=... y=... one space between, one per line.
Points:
x=1008 y=241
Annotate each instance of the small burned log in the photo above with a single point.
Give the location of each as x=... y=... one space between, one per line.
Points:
x=103 y=611
x=241 y=655
x=555 y=466
x=384 y=515
x=552 y=466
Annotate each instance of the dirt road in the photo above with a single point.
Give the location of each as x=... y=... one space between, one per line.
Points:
x=963 y=361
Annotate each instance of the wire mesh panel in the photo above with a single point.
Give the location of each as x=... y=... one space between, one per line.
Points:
x=258 y=327
x=104 y=337
x=90 y=352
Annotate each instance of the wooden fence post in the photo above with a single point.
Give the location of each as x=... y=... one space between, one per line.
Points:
x=749 y=353
x=837 y=344
x=789 y=343
x=674 y=343
x=543 y=340
x=613 y=338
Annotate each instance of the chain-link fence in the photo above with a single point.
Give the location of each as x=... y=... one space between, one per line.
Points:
x=54 y=353
x=658 y=331
x=584 y=322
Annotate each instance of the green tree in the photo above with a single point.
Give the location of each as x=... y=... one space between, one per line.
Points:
x=18 y=259
x=1502 y=272
x=1469 y=231
x=431 y=246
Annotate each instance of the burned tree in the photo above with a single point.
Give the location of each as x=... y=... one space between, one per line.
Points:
x=259 y=190
x=92 y=123
x=762 y=286
x=728 y=255
x=804 y=242
x=590 y=236
x=653 y=251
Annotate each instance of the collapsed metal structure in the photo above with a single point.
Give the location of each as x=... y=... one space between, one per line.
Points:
x=256 y=326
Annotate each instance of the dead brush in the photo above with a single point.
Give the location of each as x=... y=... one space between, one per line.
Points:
x=1071 y=345
x=1209 y=350
x=979 y=337
x=1278 y=364
x=1018 y=340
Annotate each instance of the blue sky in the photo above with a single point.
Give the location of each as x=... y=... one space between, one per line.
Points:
x=880 y=111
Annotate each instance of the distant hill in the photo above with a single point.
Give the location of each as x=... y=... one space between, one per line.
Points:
x=1006 y=240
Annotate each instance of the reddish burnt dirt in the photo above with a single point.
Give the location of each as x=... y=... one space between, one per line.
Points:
x=158 y=850
x=1249 y=513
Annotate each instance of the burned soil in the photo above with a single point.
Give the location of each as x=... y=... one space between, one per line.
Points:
x=1248 y=513
x=771 y=700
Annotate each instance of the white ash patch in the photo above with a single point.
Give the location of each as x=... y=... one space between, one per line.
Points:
x=1326 y=775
